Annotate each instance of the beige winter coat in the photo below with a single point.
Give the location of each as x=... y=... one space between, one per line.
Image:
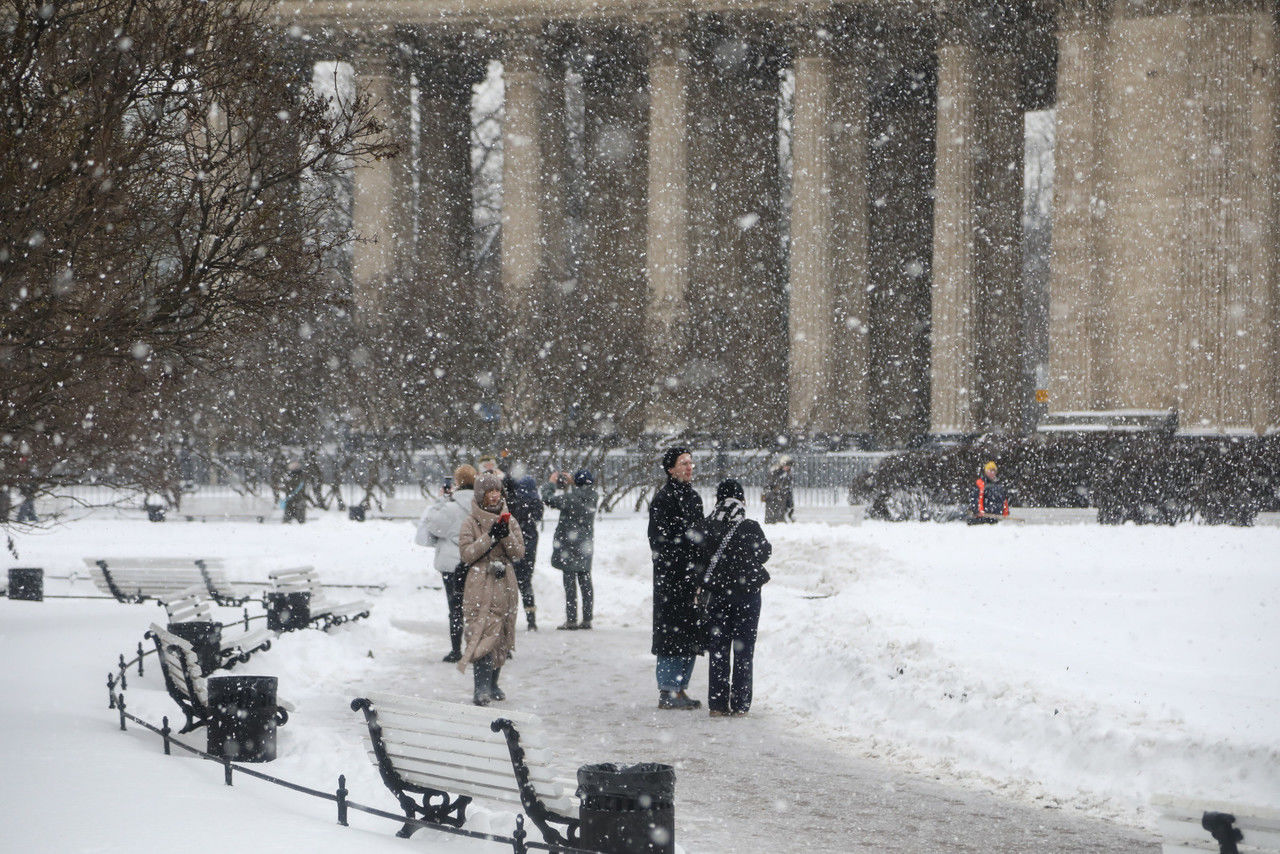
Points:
x=489 y=602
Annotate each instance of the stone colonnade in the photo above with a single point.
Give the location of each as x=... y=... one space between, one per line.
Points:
x=886 y=298
x=1165 y=233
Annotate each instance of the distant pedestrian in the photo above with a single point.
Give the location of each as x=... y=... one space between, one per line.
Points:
x=27 y=507
x=490 y=543
x=779 y=494
x=573 y=544
x=526 y=507
x=988 y=501
x=675 y=542
x=736 y=551
x=295 y=493
x=440 y=527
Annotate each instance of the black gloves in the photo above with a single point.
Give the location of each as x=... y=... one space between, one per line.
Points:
x=499 y=531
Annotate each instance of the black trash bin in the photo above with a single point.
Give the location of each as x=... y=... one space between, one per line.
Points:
x=627 y=809
x=26 y=582
x=205 y=638
x=243 y=726
x=287 y=611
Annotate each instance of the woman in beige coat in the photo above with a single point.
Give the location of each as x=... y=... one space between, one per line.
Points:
x=489 y=543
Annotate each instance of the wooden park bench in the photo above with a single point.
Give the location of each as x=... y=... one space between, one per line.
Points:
x=137 y=579
x=450 y=753
x=303 y=579
x=1187 y=825
x=186 y=684
x=191 y=606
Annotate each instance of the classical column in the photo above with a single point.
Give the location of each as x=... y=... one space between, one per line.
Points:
x=953 y=369
x=612 y=293
x=372 y=258
x=902 y=124
x=1226 y=363
x=811 y=314
x=849 y=193
x=382 y=194
x=977 y=363
x=523 y=269
x=1145 y=87
x=1078 y=320
x=442 y=277
x=737 y=353
x=666 y=232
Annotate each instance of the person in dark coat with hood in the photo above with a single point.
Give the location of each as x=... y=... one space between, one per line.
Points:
x=574 y=541
x=675 y=541
x=736 y=551
x=526 y=508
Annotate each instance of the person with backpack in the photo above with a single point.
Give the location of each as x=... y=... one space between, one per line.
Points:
x=439 y=528
x=736 y=551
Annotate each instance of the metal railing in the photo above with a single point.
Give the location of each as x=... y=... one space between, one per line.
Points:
x=117 y=684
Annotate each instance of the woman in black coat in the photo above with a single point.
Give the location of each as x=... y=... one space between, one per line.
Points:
x=675 y=540
x=736 y=551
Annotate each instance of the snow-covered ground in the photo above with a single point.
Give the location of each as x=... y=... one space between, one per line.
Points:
x=1074 y=667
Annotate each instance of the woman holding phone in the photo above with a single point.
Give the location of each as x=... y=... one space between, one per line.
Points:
x=489 y=543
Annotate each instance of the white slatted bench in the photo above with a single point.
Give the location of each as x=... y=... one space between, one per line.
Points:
x=1187 y=825
x=449 y=754
x=205 y=508
x=185 y=684
x=135 y=579
x=192 y=606
x=303 y=579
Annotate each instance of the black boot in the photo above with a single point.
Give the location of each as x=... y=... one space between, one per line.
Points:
x=483 y=674
x=494 y=690
x=453 y=656
x=533 y=624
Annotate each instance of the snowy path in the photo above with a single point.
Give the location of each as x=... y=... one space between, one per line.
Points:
x=745 y=784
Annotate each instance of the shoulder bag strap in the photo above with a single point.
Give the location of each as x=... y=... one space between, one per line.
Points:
x=715 y=558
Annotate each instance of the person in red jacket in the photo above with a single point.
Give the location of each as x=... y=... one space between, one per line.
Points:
x=988 y=501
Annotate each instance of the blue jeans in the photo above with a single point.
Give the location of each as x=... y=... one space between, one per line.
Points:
x=674 y=671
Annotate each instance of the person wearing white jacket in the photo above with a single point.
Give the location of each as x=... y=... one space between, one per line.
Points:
x=439 y=527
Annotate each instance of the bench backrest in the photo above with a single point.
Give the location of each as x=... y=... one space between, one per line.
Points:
x=181 y=668
x=296 y=580
x=451 y=747
x=189 y=605
x=143 y=578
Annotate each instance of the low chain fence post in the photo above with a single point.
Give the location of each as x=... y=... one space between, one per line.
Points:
x=342 y=799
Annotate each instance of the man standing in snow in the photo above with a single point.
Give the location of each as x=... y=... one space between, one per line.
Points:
x=675 y=540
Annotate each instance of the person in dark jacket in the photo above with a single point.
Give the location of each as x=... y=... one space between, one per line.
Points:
x=574 y=541
x=988 y=501
x=526 y=509
x=736 y=551
x=675 y=541
x=779 y=498
x=295 y=493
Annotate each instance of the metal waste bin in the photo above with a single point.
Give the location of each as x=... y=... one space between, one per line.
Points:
x=627 y=809
x=26 y=582
x=205 y=638
x=243 y=726
x=286 y=611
